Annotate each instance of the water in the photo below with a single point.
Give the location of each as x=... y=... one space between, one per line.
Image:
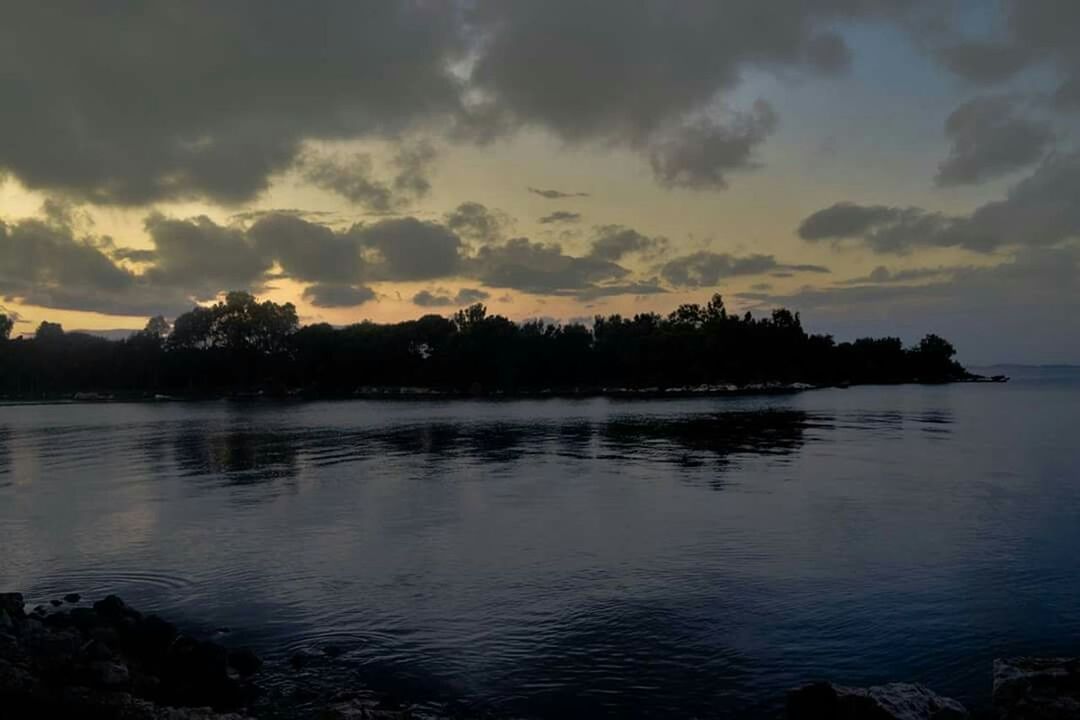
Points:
x=684 y=558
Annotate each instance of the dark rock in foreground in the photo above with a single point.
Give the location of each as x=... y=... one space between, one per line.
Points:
x=1029 y=688
x=110 y=661
x=895 y=701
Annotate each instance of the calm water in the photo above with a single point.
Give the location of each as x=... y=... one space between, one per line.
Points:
x=558 y=558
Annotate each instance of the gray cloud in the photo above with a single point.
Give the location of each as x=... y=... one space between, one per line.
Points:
x=989 y=138
x=142 y=122
x=353 y=177
x=334 y=296
x=410 y=249
x=44 y=263
x=521 y=264
x=203 y=257
x=699 y=156
x=707 y=269
x=560 y=216
x=1042 y=209
x=440 y=298
x=882 y=275
x=308 y=251
x=1035 y=32
x=474 y=221
x=614 y=242
x=556 y=194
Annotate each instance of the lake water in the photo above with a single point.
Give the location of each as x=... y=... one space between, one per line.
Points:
x=559 y=558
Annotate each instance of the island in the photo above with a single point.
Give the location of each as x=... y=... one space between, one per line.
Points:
x=242 y=347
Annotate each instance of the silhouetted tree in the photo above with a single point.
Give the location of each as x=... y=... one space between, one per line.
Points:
x=6 y=325
x=243 y=345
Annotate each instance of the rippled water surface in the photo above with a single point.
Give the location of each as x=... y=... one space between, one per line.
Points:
x=684 y=558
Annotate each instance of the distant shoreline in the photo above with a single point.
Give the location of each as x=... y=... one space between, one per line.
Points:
x=422 y=393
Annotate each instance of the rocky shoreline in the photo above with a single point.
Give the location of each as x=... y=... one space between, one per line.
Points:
x=107 y=661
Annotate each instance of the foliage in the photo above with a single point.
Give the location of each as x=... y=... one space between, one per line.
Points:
x=241 y=344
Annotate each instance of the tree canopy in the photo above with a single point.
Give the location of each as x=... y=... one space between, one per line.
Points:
x=241 y=344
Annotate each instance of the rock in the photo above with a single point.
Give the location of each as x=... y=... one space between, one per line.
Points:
x=245 y=662
x=895 y=701
x=84 y=619
x=56 y=603
x=72 y=598
x=110 y=674
x=6 y=622
x=1032 y=688
x=13 y=605
x=113 y=609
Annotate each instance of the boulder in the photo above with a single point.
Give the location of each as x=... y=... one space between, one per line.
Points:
x=895 y=701
x=1033 y=688
x=12 y=604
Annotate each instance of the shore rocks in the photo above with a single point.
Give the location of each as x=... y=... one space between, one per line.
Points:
x=895 y=701
x=1031 y=688
x=110 y=661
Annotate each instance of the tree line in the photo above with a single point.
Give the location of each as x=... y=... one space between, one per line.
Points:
x=241 y=345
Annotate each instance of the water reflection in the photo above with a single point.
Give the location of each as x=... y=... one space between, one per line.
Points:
x=5 y=458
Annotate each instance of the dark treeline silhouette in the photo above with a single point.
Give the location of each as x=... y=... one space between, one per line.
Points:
x=241 y=345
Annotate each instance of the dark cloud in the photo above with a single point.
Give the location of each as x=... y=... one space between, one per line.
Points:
x=521 y=264
x=989 y=138
x=410 y=249
x=354 y=178
x=560 y=216
x=635 y=288
x=466 y=296
x=44 y=263
x=699 y=156
x=440 y=298
x=333 y=296
x=476 y=222
x=134 y=255
x=308 y=251
x=1042 y=209
x=556 y=194
x=120 y=104
x=1036 y=32
x=882 y=275
x=614 y=242
x=203 y=257
x=707 y=269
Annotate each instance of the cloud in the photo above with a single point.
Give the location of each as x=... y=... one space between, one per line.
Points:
x=44 y=263
x=440 y=298
x=308 y=251
x=521 y=264
x=881 y=275
x=560 y=216
x=990 y=139
x=1036 y=32
x=614 y=242
x=556 y=194
x=334 y=296
x=353 y=177
x=1042 y=209
x=118 y=105
x=203 y=257
x=634 y=288
x=467 y=296
x=410 y=249
x=707 y=269
x=700 y=155
x=1026 y=309
x=474 y=221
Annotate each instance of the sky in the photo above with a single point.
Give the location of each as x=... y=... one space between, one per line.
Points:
x=884 y=167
